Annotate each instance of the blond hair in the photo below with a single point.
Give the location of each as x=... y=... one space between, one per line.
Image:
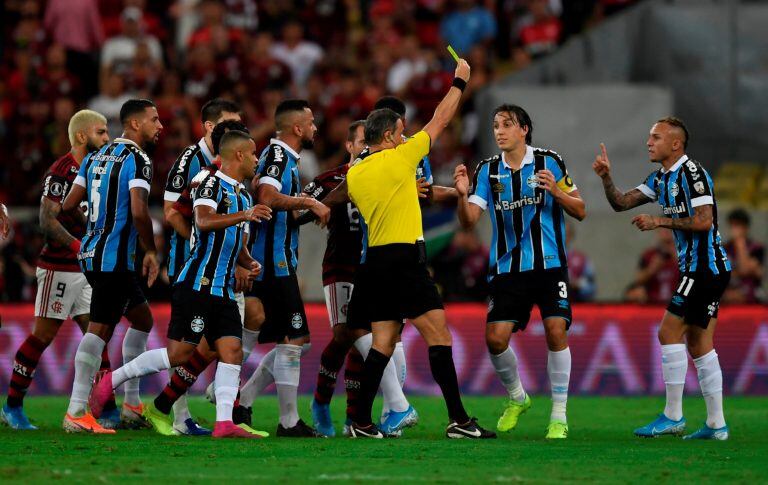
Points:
x=82 y=120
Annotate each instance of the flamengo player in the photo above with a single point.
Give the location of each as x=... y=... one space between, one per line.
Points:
x=62 y=290
x=116 y=182
x=686 y=194
x=203 y=302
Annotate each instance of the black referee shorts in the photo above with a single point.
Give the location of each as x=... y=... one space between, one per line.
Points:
x=392 y=284
x=114 y=294
x=283 y=308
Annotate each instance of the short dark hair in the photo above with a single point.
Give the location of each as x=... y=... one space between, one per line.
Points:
x=378 y=122
x=394 y=103
x=134 y=107
x=213 y=109
x=521 y=116
x=353 y=129
x=232 y=137
x=677 y=123
x=739 y=216
x=223 y=127
x=288 y=106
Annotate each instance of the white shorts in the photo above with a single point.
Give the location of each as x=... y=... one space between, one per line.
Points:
x=61 y=294
x=337 y=301
x=240 y=299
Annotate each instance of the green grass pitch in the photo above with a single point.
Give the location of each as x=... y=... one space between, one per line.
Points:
x=600 y=448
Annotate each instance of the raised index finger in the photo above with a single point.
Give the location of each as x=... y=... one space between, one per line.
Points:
x=604 y=151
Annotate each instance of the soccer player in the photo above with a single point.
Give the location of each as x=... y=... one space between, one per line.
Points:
x=275 y=295
x=62 y=290
x=115 y=181
x=203 y=303
x=525 y=190
x=686 y=194
x=393 y=283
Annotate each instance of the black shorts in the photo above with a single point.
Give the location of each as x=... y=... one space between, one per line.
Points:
x=195 y=314
x=392 y=284
x=512 y=296
x=697 y=297
x=114 y=294
x=283 y=308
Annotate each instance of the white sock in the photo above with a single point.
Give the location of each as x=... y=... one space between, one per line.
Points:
x=392 y=392
x=674 y=366
x=227 y=379
x=559 y=370
x=150 y=362
x=399 y=357
x=711 y=382
x=250 y=338
x=259 y=380
x=506 y=368
x=287 y=373
x=180 y=407
x=134 y=344
x=363 y=344
x=87 y=362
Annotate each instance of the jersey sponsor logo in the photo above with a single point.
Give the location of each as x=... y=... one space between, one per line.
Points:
x=205 y=281
x=183 y=161
x=86 y=254
x=227 y=201
x=146 y=170
x=178 y=182
x=699 y=187
x=532 y=181
x=677 y=300
x=498 y=188
x=517 y=204
x=197 y=324
x=499 y=176
x=678 y=209
x=97 y=170
x=273 y=171
x=674 y=189
x=100 y=157
x=278 y=153
x=297 y=321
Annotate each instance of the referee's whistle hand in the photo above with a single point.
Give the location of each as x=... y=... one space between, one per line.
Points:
x=462 y=70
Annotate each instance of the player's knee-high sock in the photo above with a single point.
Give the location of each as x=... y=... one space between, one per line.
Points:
x=559 y=370
x=134 y=344
x=711 y=382
x=259 y=380
x=250 y=339
x=373 y=370
x=444 y=372
x=674 y=366
x=150 y=362
x=23 y=372
x=352 y=374
x=398 y=357
x=183 y=377
x=330 y=364
x=180 y=406
x=105 y=367
x=287 y=373
x=227 y=381
x=391 y=390
x=505 y=364
x=87 y=361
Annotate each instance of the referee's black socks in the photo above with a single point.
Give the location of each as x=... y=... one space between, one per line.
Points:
x=371 y=379
x=444 y=373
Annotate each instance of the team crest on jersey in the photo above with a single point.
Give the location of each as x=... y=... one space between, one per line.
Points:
x=227 y=202
x=498 y=188
x=146 y=170
x=198 y=324
x=699 y=187
x=57 y=307
x=178 y=182
x=674 y=189
x=532 y=181
x=273 y=171
x=297 y=321
x=205 y=281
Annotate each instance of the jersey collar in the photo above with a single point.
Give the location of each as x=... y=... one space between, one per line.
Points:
x=204 y=148
x=528 y=158
x=275 y=141
x=677 y=164
x=126 y=141
x=227 y=178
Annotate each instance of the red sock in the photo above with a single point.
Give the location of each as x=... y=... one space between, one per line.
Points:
x=106 y=367
x=352 y=373
x=330 y=364
x=24 y=365
x=182 y=379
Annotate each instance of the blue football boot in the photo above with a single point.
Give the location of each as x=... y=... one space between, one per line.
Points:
x=321 y=415
x=15 y=418
x=661 y=426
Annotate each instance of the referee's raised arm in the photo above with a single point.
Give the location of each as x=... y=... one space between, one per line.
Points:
x=447 y=107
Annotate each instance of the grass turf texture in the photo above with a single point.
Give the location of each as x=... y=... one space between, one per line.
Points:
x=600 y=448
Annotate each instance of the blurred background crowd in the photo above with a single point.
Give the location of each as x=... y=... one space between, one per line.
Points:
x=59 y=56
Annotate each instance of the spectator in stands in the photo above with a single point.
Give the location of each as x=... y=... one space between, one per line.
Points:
x=109 y=102
x=581 y=273
x=657 y=273
x=262 y=68
x=539 y=37
x=118 y=52
x=412 y=63
x=301 y=55
x=470 y=24
x=56 y=81
x=747 y=257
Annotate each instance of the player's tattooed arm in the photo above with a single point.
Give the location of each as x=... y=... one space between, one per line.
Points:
x=269 y=196
x=620 y=201
x=699 y=222
x=52 y=228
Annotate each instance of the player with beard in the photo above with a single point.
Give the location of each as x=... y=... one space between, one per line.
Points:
x=62 y=289
x=115 y=181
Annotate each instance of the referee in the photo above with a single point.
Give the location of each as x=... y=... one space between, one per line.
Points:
x=393 y=283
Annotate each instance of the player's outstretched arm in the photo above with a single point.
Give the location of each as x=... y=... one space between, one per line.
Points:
x=447 y=107
x=206 y=218
x=444 y=194
x=52 y=228
x=620 y=201
x=5 y=222
x=701 y=221
x=468 y=213
x=269 y=196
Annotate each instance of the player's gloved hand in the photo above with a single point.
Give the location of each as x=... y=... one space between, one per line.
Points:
x=462 y=70
x=645 y=222
x=423 y=188
x=461 y=180
x=150 y=268
x=258 y=213
x=602 y=165
x=322 y=212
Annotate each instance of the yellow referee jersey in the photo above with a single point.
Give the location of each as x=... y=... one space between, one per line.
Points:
x=383 y=187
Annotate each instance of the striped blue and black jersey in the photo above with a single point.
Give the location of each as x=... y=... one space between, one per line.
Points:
x=424 y=170
x=679 y=190
x=276 y=245
x=193 y=159
x=528 y=224
x=210 y=267
x=108 y=176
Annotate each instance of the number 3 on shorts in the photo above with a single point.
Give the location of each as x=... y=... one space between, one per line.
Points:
x=563 y=289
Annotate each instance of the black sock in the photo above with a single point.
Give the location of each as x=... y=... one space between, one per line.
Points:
x=444 y=373
x=373 y=369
